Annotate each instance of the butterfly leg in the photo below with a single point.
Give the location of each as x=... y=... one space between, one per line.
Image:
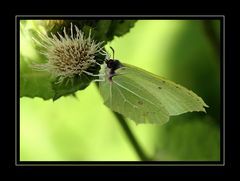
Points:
x=107 y=57
x=95 y=62
x=93 y=75
x=101 y=76
x=99 y=80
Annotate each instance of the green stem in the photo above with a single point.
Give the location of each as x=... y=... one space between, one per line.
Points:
x=131 y=137
x=141 y=154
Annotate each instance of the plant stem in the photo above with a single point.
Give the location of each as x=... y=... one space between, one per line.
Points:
x=141 y=154
x=131 y=137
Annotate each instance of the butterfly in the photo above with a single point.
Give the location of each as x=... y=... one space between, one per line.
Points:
x=143 y=96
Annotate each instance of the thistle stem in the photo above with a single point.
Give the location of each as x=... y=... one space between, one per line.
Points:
x=141 y=154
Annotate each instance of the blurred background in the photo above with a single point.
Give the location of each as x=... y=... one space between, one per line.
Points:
x=83 y=129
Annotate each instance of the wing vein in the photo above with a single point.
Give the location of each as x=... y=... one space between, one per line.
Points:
x=125 y=100
x=135 y=94
x=110 y=96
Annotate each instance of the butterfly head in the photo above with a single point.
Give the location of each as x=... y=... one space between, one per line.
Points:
x=113 y=65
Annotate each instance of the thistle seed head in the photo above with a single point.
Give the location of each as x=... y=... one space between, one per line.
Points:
x=66 y=55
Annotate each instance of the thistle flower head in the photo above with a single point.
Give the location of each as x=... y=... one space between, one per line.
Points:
x=66 y=55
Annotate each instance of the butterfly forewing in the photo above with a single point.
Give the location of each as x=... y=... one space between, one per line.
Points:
x=173 y=97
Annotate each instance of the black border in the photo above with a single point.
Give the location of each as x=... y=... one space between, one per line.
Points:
x=119 y=163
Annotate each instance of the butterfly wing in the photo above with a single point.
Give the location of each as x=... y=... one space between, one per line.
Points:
x=175 y=98
x=147 y=98
x=129 y=98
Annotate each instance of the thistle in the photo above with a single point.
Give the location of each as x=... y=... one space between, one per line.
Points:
x=68 y=56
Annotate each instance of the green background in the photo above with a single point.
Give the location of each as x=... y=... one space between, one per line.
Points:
x=82 y=128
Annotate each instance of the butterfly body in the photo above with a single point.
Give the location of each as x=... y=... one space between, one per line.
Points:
x=112 y=66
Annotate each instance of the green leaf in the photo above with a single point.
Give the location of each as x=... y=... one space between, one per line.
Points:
x=34 y=83
x=102 y=30
x=191 y=138
x=68 y=86
x=119 y=28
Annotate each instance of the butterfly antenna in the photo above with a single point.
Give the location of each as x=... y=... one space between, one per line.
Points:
x=112 y=51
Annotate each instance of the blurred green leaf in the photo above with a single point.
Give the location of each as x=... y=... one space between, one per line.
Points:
x=119 y=28
x=70 y=86
x=34 y=83
x=190 y=139
x=102 y=30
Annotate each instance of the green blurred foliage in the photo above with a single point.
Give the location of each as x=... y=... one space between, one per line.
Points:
x=190 y=139
x=102 y=30
x=34 y=83
x=84 y=129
